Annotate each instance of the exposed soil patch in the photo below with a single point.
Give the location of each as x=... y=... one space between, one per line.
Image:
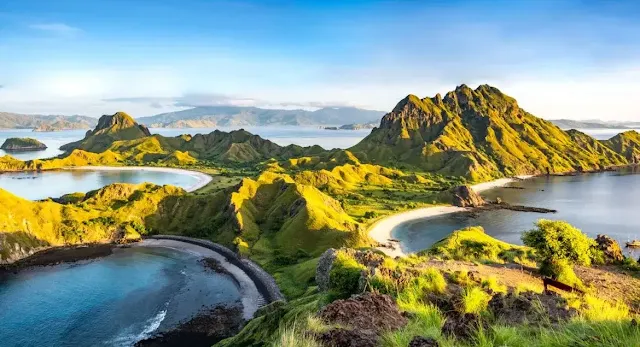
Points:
x=348 y=338
x=368 y=311
x=612 y=283
x=205 y=329
x=58 y=255
x=531 y=308
x=368 y=315
x=510 y=275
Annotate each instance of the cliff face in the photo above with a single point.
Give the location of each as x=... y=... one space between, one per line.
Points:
x=117 y=127
x=479 y=134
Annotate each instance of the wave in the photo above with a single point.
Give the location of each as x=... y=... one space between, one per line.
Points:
x=151 y=325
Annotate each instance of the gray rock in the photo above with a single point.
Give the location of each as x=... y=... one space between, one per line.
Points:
x=323 y=269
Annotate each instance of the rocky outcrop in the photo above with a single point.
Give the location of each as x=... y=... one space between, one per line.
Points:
x=205 y=329
x=610 y=248
x=368 y=315
x=370 y=260
x=323 y=269
x=465 y=196
x=22 y=144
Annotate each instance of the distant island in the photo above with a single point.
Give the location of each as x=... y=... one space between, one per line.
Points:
x=10 y=120
x=22 y=144
x=594 y=124
x=354 y=126
x=217 y=116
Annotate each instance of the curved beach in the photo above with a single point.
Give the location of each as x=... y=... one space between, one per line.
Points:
x=252 y=300
x=203 y=179
x=381 y=231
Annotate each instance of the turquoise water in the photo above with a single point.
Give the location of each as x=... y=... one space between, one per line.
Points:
x=603 y=203
x=113 y=301
x=41 y=185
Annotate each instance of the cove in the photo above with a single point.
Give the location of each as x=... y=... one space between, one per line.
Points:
x=112 y=301
x=597 y=203
x=55 y=183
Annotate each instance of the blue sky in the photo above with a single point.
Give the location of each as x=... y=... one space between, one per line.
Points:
x=560 y=59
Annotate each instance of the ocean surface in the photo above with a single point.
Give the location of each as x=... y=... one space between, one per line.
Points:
x=113 y=301
x=46 y=184
x=600 y=203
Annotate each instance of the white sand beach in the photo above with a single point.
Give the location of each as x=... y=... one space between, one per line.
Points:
x=203 y=179
x=251 y=297
x=381 y=231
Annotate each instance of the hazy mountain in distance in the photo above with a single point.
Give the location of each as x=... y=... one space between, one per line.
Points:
x=593 y=124
x=10 y=120
x=210 y=116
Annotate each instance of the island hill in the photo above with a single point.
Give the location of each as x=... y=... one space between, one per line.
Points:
x=15 y=144
x=285 y=207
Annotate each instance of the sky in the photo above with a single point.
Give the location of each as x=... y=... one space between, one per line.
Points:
x=559 y=59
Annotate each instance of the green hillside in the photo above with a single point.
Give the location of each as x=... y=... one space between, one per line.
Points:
x=117 y=127
x=479 y=134
x=627 y=144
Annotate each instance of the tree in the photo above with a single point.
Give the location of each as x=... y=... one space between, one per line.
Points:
x=559 y=245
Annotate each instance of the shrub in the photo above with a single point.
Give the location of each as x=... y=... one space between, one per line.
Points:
x=491 y=282
x=474 y=300
x=370 y=214
x=556 y=240
x=345 y=275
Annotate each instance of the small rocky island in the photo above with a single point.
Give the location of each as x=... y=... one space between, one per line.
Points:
x=17 y=144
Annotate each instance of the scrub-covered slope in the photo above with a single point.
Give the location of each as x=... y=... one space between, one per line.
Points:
x=112 y=213
x=117 y=127
x=479 y=134
x=627 y=144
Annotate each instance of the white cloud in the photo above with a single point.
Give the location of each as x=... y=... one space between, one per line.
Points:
x=56 y=28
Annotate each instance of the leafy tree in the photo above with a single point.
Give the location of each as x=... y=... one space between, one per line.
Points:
x=558 y=240
x=560 y=245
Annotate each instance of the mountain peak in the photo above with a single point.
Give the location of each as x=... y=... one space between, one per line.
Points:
x=115 y=127
x=482 y=134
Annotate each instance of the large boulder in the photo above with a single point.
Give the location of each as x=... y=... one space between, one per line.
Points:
x=610 y=248
x=465 y=196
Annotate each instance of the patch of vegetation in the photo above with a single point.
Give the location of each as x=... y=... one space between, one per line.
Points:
x=473 y=244
x=559 y=245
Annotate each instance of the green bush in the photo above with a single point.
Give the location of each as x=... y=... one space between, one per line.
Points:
x=345 y=275
x=558 y=240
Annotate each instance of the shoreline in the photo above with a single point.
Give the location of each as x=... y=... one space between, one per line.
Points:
x=381 y=231
x=251 y=297
x=203 y=179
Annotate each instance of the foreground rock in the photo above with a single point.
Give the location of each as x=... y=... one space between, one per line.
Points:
x=610 y=248
x=16 y=144
x=205 y=329
x=367 y=315
x=465 y=196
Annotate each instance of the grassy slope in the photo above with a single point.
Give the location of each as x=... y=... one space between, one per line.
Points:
x=479 y=134
x=627 y=144
x=111 y=213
